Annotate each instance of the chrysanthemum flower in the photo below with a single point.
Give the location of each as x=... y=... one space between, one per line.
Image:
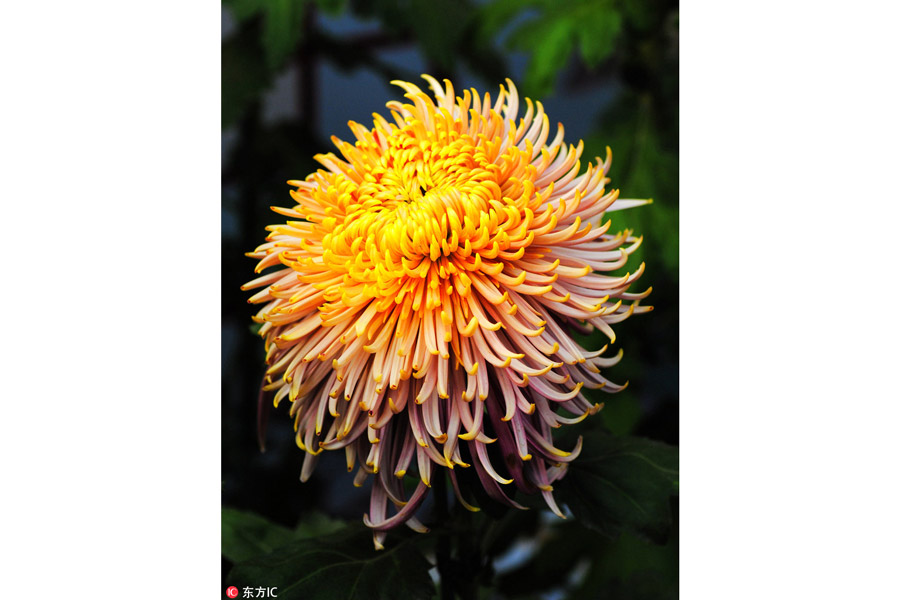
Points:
x=426 y=288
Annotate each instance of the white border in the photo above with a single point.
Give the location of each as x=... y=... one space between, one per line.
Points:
x=789 y=412
x=110 y=235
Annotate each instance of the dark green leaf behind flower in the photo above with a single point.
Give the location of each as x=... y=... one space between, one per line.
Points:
x=622 y=484
x=339 y=566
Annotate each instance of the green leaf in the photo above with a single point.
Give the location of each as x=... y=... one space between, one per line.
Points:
x=647 y=585
x=439 y=25
x=622 y=484
x=620 y=414
x=494 y=17
x=642 y=14
x=630 y=568
x=551 y=41
x=246 y=535
x=644 y=166
x=551 y=36
x=315 y=524
x=283 y=29
x=282 y=24
x=340 y=566
x=614 y=567
x=244 y=76
x=243 y=9
x=597 y=32
x=331 y=7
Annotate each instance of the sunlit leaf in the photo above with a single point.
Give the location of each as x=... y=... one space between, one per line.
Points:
x=598 y=28
x=495 y=16
x=551 y=36
x=551 y=42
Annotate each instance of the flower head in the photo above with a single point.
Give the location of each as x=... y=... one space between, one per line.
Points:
x=426 y=287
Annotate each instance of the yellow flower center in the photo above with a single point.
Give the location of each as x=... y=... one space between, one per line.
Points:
x=433 y=207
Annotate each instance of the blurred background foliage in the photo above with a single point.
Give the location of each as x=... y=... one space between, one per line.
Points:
x=293 y=73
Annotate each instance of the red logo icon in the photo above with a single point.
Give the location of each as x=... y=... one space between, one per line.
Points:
x=231 y=592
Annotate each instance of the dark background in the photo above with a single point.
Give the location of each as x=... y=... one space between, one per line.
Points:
x=294 y=72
